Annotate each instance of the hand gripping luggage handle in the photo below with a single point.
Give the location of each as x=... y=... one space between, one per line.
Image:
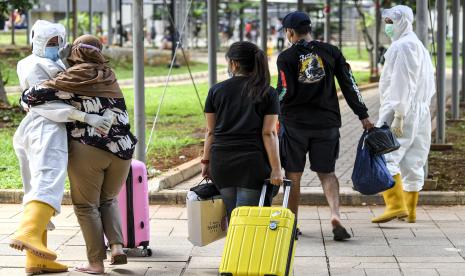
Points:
x=287 y=190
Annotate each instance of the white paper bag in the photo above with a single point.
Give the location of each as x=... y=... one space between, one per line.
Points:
x=206 y=221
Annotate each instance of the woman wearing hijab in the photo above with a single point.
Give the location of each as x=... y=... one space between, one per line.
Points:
x=98 y=162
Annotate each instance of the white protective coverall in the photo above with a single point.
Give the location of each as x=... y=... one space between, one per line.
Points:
x=406 y=86
x=40 y=142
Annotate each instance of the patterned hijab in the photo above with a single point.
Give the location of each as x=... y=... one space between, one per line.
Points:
x=89 y=75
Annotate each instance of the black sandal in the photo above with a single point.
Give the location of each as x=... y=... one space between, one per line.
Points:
x=340 y=233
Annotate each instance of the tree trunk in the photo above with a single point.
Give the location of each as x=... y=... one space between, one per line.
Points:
x=241 y=18
x=369 y=45
x=359 y=45
x=75 y=20
x=12 y=20
x=3 y=97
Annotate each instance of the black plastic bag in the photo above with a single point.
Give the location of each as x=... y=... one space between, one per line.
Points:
x=205 y=190
x=381 y=140
x=370 y=175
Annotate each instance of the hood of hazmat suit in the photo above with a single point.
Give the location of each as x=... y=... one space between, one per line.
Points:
x=42 y=31
x=402 y=16
x=35 y=68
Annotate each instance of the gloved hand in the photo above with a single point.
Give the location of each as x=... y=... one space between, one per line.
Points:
x=101 y=123
x=397 y=125
x=64 y=53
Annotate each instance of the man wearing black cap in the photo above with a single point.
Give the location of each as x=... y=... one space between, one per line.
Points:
x=310 y=118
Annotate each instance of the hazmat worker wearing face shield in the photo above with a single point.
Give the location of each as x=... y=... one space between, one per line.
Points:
x=41 y=145
x=406 y=87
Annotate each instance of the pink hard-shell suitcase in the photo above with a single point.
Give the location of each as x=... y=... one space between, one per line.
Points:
x=133 y=201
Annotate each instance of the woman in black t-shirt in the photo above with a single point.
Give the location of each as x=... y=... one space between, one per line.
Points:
x=241 y=143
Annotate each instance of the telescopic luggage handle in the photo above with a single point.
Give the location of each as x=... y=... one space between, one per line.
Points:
x=287 y=190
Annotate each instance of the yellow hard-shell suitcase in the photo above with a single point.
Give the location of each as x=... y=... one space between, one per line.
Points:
x=260 y=240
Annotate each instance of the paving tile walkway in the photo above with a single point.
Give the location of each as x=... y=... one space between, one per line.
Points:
x=350 y=134
x=433 y=246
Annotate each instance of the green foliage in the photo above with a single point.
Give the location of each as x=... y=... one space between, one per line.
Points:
x=158 y=13
x=20 y=38
x=6 y=6
x=83 y=22
x=198 y=9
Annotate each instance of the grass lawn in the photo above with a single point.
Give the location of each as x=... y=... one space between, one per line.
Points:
x=351 y=53
x=9 y=167
x=20 y=38
x=124 y=70
x=361 y=77
x=180 y=124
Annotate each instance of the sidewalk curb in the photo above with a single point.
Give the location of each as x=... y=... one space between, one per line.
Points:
x=312 y=198
x=309 y=196
x=15 y=196
x=176 y=175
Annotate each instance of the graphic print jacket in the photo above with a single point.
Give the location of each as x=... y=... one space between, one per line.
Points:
x=307 y=89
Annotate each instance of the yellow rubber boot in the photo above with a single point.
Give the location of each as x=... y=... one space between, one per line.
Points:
x=411 y=199
x=33 y=224
x=36 y=265
x=395 y=204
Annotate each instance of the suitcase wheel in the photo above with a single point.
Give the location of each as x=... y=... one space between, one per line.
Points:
x=146 y=252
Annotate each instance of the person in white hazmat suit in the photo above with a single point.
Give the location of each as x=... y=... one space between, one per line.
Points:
x=41 y=145
x=406 y=87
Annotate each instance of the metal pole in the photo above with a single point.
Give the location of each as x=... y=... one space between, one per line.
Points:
x=110 y=27
x=327 y=30
x=138 y=65
x=12 y=21
x=341 y=5
x=455 y=59
x=90 y=17
x=68 y=28
x=28 y=19
x=300 y=5
x=173 y=33
x=376 y=43
x=422 y=33
x=154 y=8
x=263 y=24
x=463 y=52
x=241 y=21
x=75 y=24
x=212 y=33
x=422 y=22
x=441 y=73
x=120 y=23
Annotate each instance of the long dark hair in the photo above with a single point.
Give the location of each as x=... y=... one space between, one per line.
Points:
x=253 y=63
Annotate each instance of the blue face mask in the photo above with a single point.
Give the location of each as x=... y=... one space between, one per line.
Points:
x=52 y=53
x=389 y=30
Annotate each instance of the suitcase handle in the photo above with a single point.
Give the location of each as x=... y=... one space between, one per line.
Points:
x=287 y=190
